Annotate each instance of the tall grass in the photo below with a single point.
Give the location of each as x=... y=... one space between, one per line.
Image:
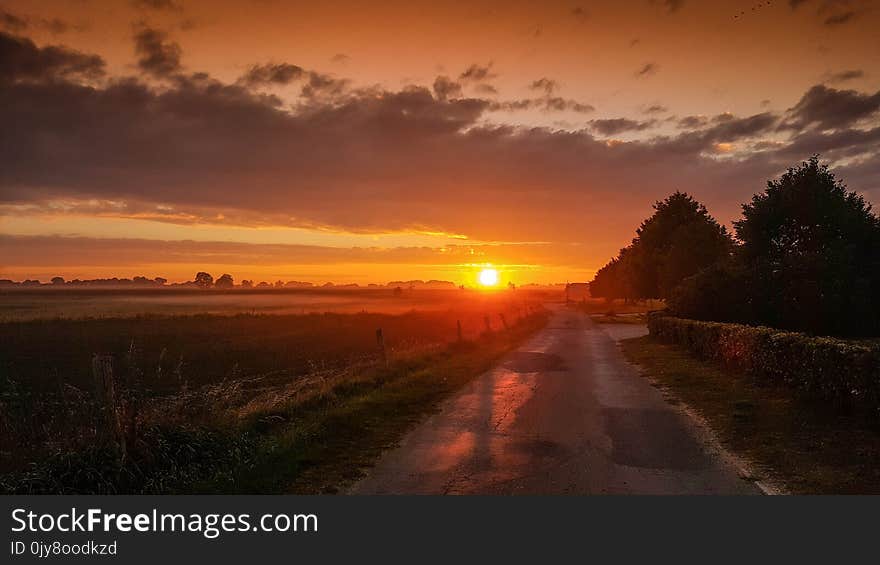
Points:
x=205 y=388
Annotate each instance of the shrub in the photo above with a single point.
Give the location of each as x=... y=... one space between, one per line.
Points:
x=844 y=372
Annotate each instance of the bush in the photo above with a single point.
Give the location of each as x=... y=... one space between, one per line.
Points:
x=844 y=372
x=716 y=293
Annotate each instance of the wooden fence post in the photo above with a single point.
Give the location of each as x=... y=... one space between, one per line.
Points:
x=380 y=341
x=109 y=426
x=458 y=329
x=503 y=320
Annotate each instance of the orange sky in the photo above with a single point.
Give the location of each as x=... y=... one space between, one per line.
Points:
x=312 y=142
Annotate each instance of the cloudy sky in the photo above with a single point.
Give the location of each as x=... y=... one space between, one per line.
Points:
x=365 y=142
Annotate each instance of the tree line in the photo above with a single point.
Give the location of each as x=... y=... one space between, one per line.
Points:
x=804 y=256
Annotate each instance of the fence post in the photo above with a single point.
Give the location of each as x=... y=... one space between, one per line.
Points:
x=503 y=320
x=110 y=426
x=380 y=341
x=458 y=329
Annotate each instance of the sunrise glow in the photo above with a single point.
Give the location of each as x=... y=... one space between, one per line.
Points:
x=488 y=277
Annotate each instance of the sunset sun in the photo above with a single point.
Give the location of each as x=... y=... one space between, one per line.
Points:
x=488 y=277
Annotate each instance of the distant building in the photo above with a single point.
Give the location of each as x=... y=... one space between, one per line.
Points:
x=575 y=292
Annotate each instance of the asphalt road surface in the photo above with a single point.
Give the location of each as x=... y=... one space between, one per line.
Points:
x=563 y=414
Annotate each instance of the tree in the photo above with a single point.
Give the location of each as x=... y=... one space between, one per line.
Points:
x=204 y=280
x=247 y=284
x=58 y=281
x=160 y=281
x=813 y=252
x=717 y=293
x=676 y=242
x=225 y=281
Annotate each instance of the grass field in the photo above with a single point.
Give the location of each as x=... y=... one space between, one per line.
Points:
x=806 y=446
x=212 y=397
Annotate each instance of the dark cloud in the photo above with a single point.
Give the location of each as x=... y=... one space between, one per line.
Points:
x=835 y=12
x=844 y=76
x=839 y=18
x=477 y=73
x=647 y=69
x=340 y=59
x=12 y=22
x=22 y=60
x=446 y=88
x=370 y=160
x=655 y=109
x=272 y=73
x=615 y=126
x=671 y=6
x=157 y=5
x=323 y=85
x=545 y=103
x=157 y=55
x=828 y=108
x=17 y=23
x=580 y=13
x=545 y=84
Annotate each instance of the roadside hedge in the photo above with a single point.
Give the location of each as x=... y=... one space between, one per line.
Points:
x=841 y=371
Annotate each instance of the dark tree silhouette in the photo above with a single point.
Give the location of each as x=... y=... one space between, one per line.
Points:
x=204 y=280
x=812 y=249
x=676 y=242
x=225 y=281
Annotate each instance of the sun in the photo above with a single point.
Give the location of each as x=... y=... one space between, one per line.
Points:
x=488 y=277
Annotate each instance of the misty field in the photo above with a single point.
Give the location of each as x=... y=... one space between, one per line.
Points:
x=50 y=303
x=201 y=398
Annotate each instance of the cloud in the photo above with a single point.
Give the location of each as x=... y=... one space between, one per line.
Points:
x=580 y=13
x=655 y=109
x=833 y=13
x=340 y=59
x=615 y=126
x=446 y=88
x=647 y=69
x=839 y=18
x=18 y=24
x=545 y=84
x=11 y=22
x=323 y=85
x=157 y=55
x=671 y=6
x=692 y=122
x=828 y=108
x=171 y=5
x=545 y=103
x=272 y=73
x=22 y=60
x=478 y=73
x=198 y=149
x=844 y=76
x=63 y=252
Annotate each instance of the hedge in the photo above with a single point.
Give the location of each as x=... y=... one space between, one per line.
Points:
x=844 y=372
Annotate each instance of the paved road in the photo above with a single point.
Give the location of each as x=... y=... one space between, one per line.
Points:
x=564 y=414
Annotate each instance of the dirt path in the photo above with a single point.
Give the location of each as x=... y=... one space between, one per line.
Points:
x=564 y=414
